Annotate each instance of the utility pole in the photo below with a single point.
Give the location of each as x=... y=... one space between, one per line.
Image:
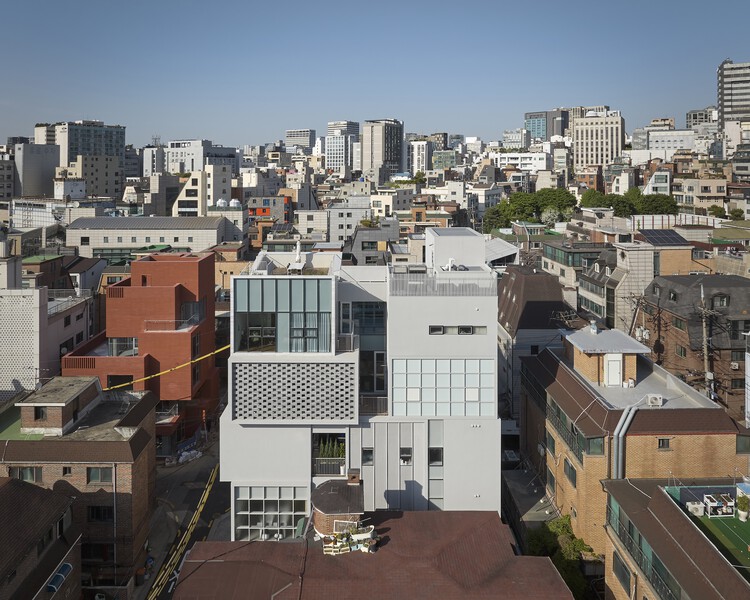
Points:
x=705 y=314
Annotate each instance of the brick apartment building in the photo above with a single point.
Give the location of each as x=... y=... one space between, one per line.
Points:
x=670 y=322
x=41 y=545
x=98 y=449
x=158 y=318
x=598 y=409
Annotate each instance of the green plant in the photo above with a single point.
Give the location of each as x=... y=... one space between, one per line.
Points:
x=743 y=503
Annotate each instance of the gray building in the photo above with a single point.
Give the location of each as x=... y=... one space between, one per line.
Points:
x=389 y=370
x=35 y=169
x=186 y=156
x=543 y=125
x=82 y=138
x=695 y=118
x=301 y=138
x=382 y=149
x=370 y=244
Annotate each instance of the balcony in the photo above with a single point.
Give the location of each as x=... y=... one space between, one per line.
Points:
x=329 y=466
x=373 y=405
x=661 y=587
x=347 y=343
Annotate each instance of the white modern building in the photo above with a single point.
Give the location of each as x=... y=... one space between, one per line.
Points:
x=420 y=156
x=86 y=138
x=530 y=162
x=389 y=370
x=301 y=138
x=186 y=156
x=35 y=169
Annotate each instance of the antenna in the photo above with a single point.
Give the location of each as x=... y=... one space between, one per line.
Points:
x=156 y=140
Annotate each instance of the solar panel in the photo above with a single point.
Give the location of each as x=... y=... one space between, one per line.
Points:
x=663 y=237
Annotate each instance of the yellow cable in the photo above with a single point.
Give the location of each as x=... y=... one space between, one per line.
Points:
x=195 y=360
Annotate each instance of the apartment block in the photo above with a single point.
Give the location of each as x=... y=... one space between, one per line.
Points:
x=103 y=174
x=160 y=317
x=382 y=149
x=598 y=138
x=733 y=91
x=389 y=370
x=600 y=409
x=98 y=448
x=84 y=137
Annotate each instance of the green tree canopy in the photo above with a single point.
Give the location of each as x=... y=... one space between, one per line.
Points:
x=656 y=204
x=592 y=198
x=717 y=211
x=736 y=214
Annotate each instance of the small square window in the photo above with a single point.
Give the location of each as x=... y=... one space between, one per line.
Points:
x=40 y=413
x=67 y=471
x=437 y=330
x=148 y=239
x=133 y=240
x=465 y=330
x=106 y=239
x=119 y=239
x=663 y=444
x=435 y=457
x=405 y=454
x=367 y=457
x=176 y=239
x=534 y=350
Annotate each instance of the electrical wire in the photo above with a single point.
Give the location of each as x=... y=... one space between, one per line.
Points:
x=187 y=364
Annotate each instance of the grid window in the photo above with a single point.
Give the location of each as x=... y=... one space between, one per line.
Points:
x=680 y=351
x=663 y=444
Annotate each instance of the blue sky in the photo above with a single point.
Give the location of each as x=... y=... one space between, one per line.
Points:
x=242 y=72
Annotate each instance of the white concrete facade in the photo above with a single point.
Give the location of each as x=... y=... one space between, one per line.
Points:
x=429 y=368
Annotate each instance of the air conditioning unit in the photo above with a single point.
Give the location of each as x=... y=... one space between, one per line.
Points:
x=654 y=400
x=735 y=366
x=646 y=334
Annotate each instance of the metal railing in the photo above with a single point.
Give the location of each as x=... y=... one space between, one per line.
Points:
x=329 y=466
x=661 y=587
x=568 y=437
x=373 y=405
x=168 y=325
x=60 y=300
x=427 y=284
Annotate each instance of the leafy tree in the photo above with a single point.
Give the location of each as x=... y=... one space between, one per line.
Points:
x=524 y=207
x=592 y=198
x=558 y=198
x=717 y=211
x=736 y=214
x=633 y=195
x=420 y=178
x=496 y=216
x=656 y=204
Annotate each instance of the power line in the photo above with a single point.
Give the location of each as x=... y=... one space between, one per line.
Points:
x=187 y=364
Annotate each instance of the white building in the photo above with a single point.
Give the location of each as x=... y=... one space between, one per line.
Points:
x=203 y=189
x=186 y=156
x=420 y=156
x=35 y=169
x=301 y=138
x=530 y=162
x=671 y=140
x=39 y=326
x=516 y=138
x=86 y=138
x=390 y=370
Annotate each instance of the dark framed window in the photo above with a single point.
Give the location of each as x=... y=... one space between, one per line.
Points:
x=662 y=443
x=40 y=413
x=28 y=474
x=98 y=474
x=465 y=330
x=738 y=384
x=437 y=330
x=570 y=472
x=67 y=471
x=405 y=455
x=435 y=456
x=101 y=514
x=368 y=456
x=621 y=571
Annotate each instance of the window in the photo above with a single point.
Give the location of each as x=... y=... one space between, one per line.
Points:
x=367 y=457
x=562 y=272
x=119 y=239
x=85 y=241
x=738 y=355
x=678 y=323
x=106 y=239
x=657 y=291
x=720 y=301
x=369 y=246
x=176 y=239
x=673 y=295
x=550 y=442
x=28 y=474
x=133 y=240
x=465 y=330
x=738 y=384
x=190 y=237
x=101 y=514
x=437 y=330
x=310 y=217
x=98 y=474
x=680 y=351
x=405 y=454
x=570 y=472
x=40 y=413
x=534 y=350
x=67 y=471
x=662 y=443
x=148 y=239
x=161 y=239
x=66 y=321
x=621 y=571
x=743 y=444
x=435 y=456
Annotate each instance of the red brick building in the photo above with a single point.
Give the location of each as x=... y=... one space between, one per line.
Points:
x=159 y=318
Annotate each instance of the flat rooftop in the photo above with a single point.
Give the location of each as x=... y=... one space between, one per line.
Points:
x=650 y=379
x=59 y=390
x=605 y=341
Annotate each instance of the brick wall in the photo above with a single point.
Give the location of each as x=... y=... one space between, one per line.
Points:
x=589 y=366
x=325 y=523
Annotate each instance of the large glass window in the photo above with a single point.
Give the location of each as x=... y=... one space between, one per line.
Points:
x=621 y=571
x=282 y=315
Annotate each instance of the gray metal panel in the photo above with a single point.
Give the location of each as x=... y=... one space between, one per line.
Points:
x=419 y=470
x=381 y=464
x=393 y=484
x=150 y=223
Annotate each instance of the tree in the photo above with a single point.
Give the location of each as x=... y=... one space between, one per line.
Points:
x=736 y=214
x=622 y=206
x=524 y=207
x=717 y=211
x=420 y=178
x=633 y=195
x=496 y=217
x=592 y=198
x=656 y=204
x=558 y=198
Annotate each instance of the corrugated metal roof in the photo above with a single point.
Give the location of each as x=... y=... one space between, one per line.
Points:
x=146 y=223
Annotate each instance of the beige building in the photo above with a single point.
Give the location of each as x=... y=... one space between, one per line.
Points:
x=599 y=409
x=598 y=138
x=102 y=174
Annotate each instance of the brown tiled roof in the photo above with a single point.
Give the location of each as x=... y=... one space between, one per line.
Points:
x=694 y=562
x=57 y=450
x=575 y=398
x=36 y=508
x=683 y=420
x=430 y=554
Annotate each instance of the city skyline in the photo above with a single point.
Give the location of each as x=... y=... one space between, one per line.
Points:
x=251 y=72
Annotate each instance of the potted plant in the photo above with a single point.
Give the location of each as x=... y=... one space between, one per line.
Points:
x=743 y=504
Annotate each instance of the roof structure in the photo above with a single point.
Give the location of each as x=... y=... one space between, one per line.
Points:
x=146 y=223
x=605 y=341
x=692 y=559
x=422 y=554
x=662 y=237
